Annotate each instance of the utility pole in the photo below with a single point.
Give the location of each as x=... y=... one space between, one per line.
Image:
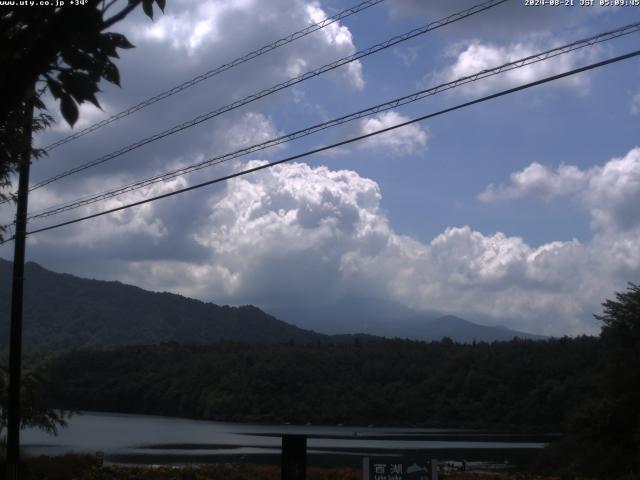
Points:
x=15 y=339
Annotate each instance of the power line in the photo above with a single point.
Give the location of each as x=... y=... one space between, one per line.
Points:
x=345 y=142
x=526 y=61
x=222 y=68
x=263 y=93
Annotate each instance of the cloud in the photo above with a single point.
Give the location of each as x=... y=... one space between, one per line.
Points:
x=539 y=181
x=195 y=28
x=236 y=28
x=611 y=191
x=402 y=141
x=292 y=219
x=543 y=289
x=478 y=56
x=148 y=223
x=298 y=233
x=308 y=235
x=249 y=129
x=502 y=21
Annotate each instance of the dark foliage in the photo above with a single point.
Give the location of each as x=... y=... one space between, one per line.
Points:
x=525 y=385
x=603 y=433
x=65 y=312
x=34 y=390
x=69 y=49
x=63 y=50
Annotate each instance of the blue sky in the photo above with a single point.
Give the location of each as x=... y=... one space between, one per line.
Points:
x=518 y=211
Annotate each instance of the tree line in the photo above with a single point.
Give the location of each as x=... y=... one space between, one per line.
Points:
x=524 y=385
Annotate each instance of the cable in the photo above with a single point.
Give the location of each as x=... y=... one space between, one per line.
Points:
x=295 y=80
x=345 y=142
x=222 y=68
x=530 y=60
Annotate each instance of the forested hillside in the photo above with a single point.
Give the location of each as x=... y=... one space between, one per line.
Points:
x=65 y=312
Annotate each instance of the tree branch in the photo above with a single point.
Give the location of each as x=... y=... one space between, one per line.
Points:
x=121 y=14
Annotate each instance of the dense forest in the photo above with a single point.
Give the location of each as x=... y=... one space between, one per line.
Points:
x=526 y=385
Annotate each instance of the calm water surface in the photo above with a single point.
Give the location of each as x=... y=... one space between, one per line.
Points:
x=150 y=439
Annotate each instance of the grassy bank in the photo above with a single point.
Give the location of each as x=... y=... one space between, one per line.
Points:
x=83 y=467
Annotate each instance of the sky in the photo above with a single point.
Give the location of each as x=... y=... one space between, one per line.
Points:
x=519 y=211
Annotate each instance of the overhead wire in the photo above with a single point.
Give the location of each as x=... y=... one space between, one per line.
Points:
x=222 y=68
x=520 y=63
x=344 y=142
x=280 y=86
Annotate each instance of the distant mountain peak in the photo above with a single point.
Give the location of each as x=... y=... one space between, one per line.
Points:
x=357 y=314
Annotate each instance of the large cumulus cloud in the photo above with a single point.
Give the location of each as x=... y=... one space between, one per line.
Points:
x=308 y=234
x=188 y=40
x=301 y=234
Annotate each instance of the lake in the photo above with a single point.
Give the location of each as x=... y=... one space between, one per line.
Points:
x=146 y=439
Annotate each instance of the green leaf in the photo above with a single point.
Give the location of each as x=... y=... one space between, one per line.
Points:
x=69 y=109
x=161 y=4
x=147 y=6
x=111 y=74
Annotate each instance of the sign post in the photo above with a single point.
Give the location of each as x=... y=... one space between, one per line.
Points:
x=399 y=468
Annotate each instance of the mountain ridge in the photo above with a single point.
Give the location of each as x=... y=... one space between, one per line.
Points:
x=63 y=311
x=387 y=319
x=72 y=312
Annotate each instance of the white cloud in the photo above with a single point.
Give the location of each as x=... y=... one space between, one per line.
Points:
x=192 y=29
x=506 y=20
x=539 y=181
x=197 y=28
x=544 y=289
x=250 y=129
x=312 y=233
x=611 y=191
x=145 y=222
x=478 y=56
x=402 y=141
x=296 y=233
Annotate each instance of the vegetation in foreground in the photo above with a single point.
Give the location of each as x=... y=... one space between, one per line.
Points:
x=585 y=387
x=83 y=467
